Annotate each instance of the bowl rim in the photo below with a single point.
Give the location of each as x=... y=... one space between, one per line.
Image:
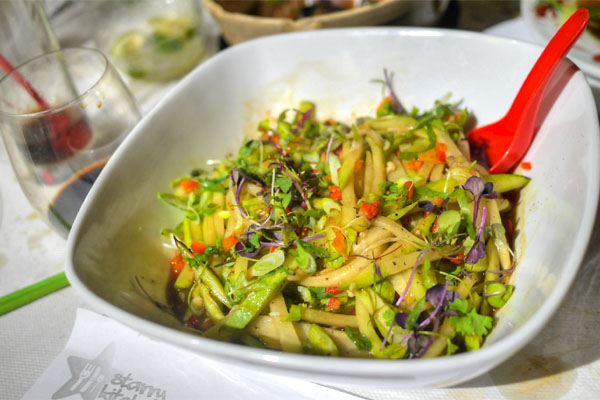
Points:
x=486 y=358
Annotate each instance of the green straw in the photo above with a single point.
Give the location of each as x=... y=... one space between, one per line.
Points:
x=19 y=298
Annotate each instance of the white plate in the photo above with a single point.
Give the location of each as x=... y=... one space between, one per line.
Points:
x=116 y=234
x=543 y=28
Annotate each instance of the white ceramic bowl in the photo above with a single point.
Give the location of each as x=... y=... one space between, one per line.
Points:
x=116 y=235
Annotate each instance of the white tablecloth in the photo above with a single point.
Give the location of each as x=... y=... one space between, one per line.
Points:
x=563 y=362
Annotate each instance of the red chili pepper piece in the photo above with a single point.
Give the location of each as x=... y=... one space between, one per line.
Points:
x=198 y=248
x=333 y=290
x=229 y=242
x=411 y=189
x=526 y=165
x=334 y=303
x=440 y=149
x=335 y=192
x=189 y=185
x=370 y=209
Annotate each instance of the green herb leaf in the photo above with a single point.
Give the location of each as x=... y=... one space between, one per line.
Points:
x=284 y=183
x=360 y=341
x=469 y=323
x=305 y=260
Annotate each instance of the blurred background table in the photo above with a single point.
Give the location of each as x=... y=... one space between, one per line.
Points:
x=563 y=362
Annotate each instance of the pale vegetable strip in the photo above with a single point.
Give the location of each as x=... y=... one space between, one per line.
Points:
x=288 y=337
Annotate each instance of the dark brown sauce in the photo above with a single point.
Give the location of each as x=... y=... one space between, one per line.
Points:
x=56 y=137
x=63 y=209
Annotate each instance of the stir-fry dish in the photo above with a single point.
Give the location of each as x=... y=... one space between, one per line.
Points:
x=563 y=9
x=376 y=238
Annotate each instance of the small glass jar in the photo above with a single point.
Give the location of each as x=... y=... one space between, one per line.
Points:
x=154 y=40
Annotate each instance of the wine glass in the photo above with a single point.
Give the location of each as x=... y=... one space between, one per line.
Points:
x=62 y=115
x=151 y=41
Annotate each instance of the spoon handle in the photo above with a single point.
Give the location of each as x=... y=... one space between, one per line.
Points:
x=532 y=89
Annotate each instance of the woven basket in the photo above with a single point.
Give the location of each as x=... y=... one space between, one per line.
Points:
x=238 y=27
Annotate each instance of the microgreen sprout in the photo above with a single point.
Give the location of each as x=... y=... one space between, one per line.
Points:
x=477 y=251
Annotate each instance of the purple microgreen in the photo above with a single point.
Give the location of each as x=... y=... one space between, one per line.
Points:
x=477 y=251
x=298 y=186
x=377 y=258
x=309 y=238
x=479 y=189
x=426 y=206
x=305 y=116
x=241 y=250
x=389 y=252
x=396 y=106
x=448 y=313
x=264 y=223
x=441 y=299
x=475 y=185
x=435 y=294
x=444 y=204
x=387 y=335
x=238 y=191
x=329 y=148
x=400 y=318
x=488 y=191
x=412 y=275
x=377 y=269
x=417 y=343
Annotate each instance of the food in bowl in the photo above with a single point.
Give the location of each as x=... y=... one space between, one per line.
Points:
x=292 y=9
x=565 y=8
x=379 y=238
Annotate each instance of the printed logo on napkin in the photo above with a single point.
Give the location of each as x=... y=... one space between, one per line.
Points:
x=105 y=360
x=97 y=379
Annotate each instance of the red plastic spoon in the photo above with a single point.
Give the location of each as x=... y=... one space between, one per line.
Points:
x=506 y=141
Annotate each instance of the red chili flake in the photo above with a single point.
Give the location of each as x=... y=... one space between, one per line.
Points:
x=287 y=210
x=334 y=303
x=411 y=189
x=229 y=242
x=370 y=209
x=335 y=192
x=597 y=58
x=459 y=259
x=189 y=185
x=435 y=227
x=414 y=165
x=526 y=165
x=333 y=290
x=440 y=149
x=305 y=230
x=273 y=249
x=340 y=152
x=198 y=248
